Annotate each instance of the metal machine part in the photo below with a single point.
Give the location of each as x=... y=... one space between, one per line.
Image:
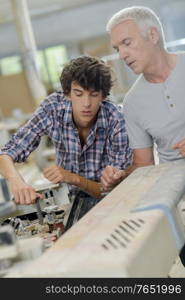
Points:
x=81 y=204
x=42 y=224
x=7 y=242
x=15 y=252
x=8 y=248
x=46 y=217
x=39 y=212
x=54 y=194
x=7 y=206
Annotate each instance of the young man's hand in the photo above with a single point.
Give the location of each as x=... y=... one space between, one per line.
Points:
x=180 y=146
x=111 y=176
x=22 y=192
x=57 y=174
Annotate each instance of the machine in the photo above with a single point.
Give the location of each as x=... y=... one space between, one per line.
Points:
x=137 y=230
x=27 y=231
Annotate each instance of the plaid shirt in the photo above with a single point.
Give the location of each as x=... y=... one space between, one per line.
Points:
x=106 y=144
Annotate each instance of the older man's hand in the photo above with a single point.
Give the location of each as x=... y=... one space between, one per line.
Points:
x=180 y=146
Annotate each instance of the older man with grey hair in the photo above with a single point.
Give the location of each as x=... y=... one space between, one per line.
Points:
x=154 y=107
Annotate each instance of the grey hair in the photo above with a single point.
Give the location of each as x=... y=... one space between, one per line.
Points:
x=144 y=17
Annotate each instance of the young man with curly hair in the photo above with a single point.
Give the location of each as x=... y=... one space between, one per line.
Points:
x=87 y=130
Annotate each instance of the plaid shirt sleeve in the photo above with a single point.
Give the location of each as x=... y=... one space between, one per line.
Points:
x=120 y=154
x=28 y=137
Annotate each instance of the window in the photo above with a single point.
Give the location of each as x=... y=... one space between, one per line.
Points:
x=10 y=65
x=51 y=62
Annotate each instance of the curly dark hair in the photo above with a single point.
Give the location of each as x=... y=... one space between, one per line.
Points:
x=89 y=72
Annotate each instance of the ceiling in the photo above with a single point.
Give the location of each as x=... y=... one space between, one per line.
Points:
x=57 y=22
x=41 y=7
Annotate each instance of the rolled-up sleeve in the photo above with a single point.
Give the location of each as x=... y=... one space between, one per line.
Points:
x=28 y=137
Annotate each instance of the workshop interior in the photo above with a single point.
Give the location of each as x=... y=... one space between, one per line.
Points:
x=138 y=228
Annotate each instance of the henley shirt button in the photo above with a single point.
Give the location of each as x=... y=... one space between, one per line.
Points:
x=171 y=105
x=168 y=97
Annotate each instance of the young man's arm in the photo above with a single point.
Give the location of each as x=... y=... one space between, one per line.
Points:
x=112 y=176
x=18 y=149
x=57 y=174
x=22 y=192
